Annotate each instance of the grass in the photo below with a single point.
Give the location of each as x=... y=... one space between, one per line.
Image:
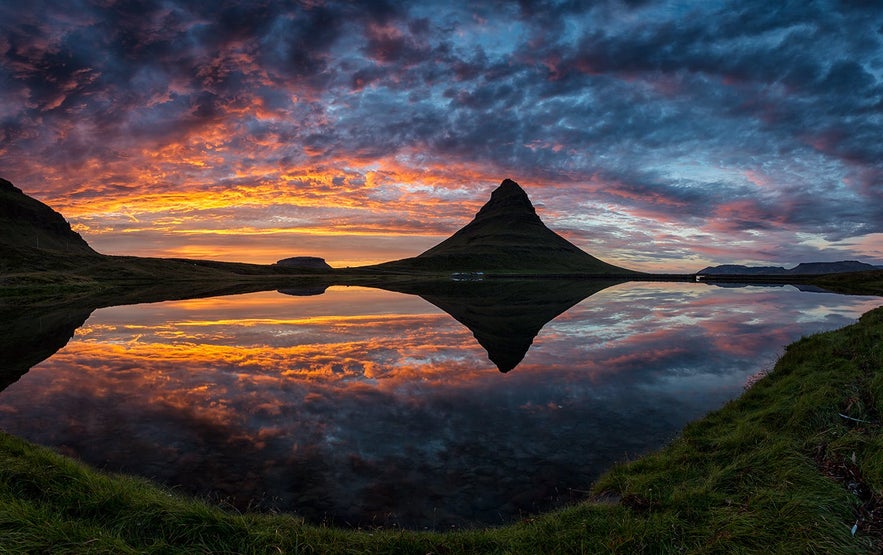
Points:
x=761 y=471
x=789 y=467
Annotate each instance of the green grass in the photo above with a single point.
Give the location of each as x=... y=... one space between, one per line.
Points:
x=750 y=475
x=759 y=475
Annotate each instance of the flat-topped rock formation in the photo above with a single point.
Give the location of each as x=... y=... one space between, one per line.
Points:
x=804 y=268
x=304 y=263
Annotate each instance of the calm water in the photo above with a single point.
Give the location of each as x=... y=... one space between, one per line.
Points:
x=369 y=407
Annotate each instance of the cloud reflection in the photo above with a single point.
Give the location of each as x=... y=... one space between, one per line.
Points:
x=370 y=407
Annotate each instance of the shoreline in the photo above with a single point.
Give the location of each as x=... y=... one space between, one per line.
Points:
x=761 y=473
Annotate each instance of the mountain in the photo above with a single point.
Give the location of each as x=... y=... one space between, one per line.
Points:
x=38 y=248
x=805 y=268
x=739 y=270
x=26 y=223
x=506 y=236
x=843 y=266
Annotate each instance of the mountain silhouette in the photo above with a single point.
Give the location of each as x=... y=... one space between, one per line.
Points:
x=504 y=315
x=38 y=247
x=506 y=236
x=804 y=268
x=29 y=228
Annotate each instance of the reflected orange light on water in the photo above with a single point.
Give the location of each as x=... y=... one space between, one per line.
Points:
x=363 y=403
x=360 y=341
x=354 y=333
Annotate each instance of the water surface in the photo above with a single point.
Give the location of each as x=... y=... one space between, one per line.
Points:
x=367 y=407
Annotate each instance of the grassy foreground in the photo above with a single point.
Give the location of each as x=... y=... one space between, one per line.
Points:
x=790 y=467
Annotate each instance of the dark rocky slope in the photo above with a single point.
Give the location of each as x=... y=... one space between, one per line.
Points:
x=29 y=228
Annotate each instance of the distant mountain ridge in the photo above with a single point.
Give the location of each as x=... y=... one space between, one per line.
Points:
x=506 y=236
x=805 y=268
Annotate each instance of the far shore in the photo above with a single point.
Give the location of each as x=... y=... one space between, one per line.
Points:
x=108 y=280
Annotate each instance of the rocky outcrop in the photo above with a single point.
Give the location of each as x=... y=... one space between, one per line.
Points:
x=304 y=263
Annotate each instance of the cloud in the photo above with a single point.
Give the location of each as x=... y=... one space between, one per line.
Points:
x=656 y=110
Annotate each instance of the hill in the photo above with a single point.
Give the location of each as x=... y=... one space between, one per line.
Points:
x=506 y=236
x=802 y=269
x=26 y=223
x=41 y=255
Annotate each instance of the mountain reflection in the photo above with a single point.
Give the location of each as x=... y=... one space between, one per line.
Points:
x=504 y=316
x=33 y=329
x=30 y=336
x=368 y=407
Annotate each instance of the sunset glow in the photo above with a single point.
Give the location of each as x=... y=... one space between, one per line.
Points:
x=659 y=136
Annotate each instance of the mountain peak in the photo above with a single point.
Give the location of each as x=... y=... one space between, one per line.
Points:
x=508 y=197
x=506 y=237
x=509 y=188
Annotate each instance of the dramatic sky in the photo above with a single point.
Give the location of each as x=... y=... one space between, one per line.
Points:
x=655 y=135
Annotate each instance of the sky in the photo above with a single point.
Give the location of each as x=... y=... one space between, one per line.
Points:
x=659 y=136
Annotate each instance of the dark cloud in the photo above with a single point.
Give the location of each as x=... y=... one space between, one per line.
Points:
x=674 y=105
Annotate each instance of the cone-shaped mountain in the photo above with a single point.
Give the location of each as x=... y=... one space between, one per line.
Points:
x=506 y=236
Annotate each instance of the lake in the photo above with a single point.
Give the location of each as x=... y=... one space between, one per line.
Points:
x=437 y=409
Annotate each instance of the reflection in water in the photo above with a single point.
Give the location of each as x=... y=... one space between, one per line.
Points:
x=29 y=337
x=366 y=407
x=504 y=316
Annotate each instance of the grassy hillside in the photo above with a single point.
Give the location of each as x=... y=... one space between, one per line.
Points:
x=45 y=275
x=26 y=223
